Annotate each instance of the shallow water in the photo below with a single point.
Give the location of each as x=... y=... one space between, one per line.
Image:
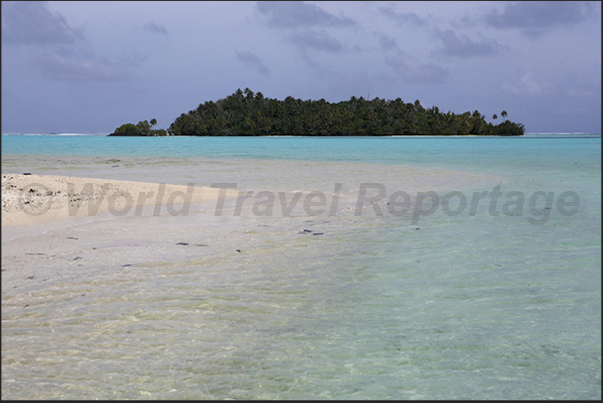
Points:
x=449 y=307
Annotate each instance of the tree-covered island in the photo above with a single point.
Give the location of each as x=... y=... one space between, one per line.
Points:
x=247 y=114
x=142 y=128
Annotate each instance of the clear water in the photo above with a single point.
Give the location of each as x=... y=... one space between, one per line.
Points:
x=466 y=307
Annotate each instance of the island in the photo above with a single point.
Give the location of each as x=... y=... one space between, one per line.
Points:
x=143 y=128
x=245 y=113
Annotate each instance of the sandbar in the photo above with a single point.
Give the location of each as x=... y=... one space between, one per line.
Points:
x=31 y=199
x=89 y=216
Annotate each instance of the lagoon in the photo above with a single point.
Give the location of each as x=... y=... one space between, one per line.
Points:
x=450 y=306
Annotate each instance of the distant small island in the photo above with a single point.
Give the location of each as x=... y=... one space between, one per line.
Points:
x=143 y=128
x=247 y=114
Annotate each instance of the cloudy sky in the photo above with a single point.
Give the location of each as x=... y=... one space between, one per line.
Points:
x=88 y=67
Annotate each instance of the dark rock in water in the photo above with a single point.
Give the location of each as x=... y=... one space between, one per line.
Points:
x=26 y=173
x=317 y=233
x=126 y=265
x=239 y=250
x=182 y=243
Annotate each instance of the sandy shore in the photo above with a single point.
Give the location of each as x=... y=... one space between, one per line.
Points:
x=33 y=199
x=74 y=218
x=89 y=186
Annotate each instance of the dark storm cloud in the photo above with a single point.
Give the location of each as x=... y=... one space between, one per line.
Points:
x=31 y=23
x=535 y=17
x=455 y=46
x=311 y=39
x=411 y=69
x=403 y=18
x=297 y=14
x=156 y=28
x=253 y=61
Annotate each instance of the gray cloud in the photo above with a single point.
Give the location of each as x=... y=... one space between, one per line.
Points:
x=62 y=66
x=31 y=23
x=131 y=59
x=296 y=14
x=403 y=18
x=411 y=69
x=311 y=39
x=253 y=61
x=386 y=41
x=156 y=28
x=535 y=17
x=464 y=47
x=526 y=84
x=66 y=55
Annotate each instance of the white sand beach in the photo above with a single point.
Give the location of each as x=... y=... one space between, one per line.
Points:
x=33 y=199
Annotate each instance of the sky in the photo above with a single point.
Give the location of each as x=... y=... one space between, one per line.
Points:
x=89 y=67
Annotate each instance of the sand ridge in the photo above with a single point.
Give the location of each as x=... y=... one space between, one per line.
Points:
x=30 y=199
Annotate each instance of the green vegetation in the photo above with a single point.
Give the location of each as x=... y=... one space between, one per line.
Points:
x=143 y=128
x=247 y=114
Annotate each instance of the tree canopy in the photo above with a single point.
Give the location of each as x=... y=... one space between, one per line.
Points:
x=143 y=128
x=247 y=114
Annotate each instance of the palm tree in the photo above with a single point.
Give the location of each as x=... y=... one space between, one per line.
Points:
x=494 y=116
x=504 y=114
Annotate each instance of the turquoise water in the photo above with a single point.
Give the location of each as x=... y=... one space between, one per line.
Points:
x=530 y=153
x=465 y=307
x=364 y=149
